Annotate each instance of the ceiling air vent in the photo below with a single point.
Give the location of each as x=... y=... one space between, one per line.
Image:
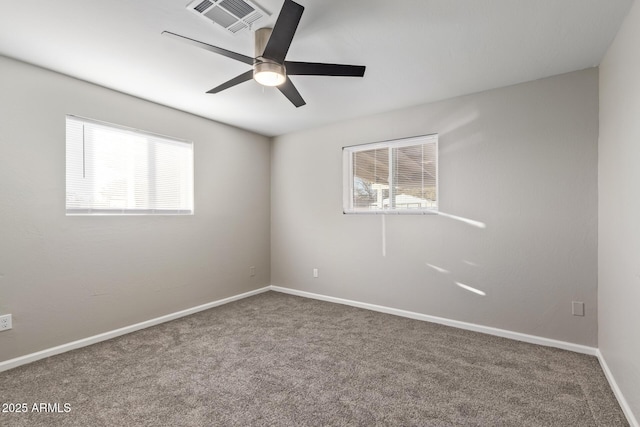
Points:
x=234 y=15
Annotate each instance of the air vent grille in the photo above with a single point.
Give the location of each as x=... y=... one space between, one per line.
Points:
x=238 y=26
x=203 y=6
x=253 y=18
x=219 y=16
x=237 y=7
x=234 y=15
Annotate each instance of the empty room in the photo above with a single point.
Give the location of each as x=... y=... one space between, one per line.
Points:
x=320 y=213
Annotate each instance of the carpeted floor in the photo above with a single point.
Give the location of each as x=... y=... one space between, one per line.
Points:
x=280 y=360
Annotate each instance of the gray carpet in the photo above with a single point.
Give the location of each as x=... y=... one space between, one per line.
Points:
x=280 y=360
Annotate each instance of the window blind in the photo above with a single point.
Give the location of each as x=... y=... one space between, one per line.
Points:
x=117 y=170
x=399 y=176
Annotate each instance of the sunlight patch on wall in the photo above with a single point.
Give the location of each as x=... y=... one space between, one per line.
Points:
x=471 y=222
x=438 y=269
x=470 y=289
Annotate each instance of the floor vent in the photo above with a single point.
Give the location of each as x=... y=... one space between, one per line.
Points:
x=234 y=15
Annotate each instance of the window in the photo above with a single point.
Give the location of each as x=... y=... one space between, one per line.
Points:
x=398 y=176
x=117 y=170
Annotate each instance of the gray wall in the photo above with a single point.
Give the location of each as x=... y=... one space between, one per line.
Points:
x=522 y=160
x=65 y=278
x=619 y=210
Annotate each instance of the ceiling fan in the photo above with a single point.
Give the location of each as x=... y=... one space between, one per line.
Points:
x=269 y=66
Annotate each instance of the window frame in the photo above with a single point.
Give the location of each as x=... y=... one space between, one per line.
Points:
x=88 y=211
x=348 y=175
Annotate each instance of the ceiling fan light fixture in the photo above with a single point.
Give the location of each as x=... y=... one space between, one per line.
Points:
x=269 y=73
x=271 y=47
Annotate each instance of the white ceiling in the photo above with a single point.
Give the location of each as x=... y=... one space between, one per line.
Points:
x=416 y=51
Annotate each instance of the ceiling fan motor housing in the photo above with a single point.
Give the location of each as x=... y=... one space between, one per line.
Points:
x=266 y=71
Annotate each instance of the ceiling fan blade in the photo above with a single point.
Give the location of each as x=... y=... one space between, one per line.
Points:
x=210 y=48
x=282 y=34
x=289 y=90
x=235 y=81
x=318 y=69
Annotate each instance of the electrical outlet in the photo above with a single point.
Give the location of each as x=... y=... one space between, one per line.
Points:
x=315 y=273
x=5 y=322
x=252 y=271
x=577 y=308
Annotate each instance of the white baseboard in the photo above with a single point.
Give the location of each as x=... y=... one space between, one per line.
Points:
x=633 y=422
x=23 y=360
x=578 y=348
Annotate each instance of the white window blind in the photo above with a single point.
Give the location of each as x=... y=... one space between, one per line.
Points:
x=398 y=176
x=117 y=170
